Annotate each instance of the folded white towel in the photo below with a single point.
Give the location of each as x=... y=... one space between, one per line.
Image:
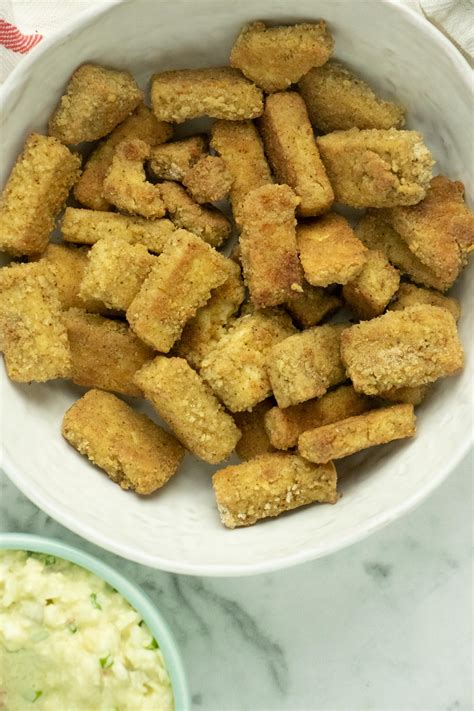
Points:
x=456 y=19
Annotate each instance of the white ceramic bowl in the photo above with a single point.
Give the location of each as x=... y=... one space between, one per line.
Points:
x=178 y=529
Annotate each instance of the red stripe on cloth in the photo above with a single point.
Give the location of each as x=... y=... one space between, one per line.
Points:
x=16 y=41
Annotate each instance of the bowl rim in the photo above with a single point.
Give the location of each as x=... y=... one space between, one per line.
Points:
x=138 y=599
x=315 y=551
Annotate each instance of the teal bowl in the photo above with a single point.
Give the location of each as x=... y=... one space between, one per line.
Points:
x=135 y=596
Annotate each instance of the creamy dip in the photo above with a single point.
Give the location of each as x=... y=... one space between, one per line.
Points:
x=69 y=641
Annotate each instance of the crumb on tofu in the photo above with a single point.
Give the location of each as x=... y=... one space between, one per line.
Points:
x=369 y=294
x=311 y=305
x=208 y=180
x=411 y=295
x=254 y=440
x=171 y=161
x=411 y=395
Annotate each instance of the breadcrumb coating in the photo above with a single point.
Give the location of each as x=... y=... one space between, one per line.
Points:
x=269 y=485
x=208 y=180
x=354 y=434
x=275 y=57
x=376 y=168
x=35 y=193
x=291 y=149
x=330 y=253
x=32 y=333
x=411 y=395
x=106 y=354
x=311 y=305
x=373 y=288
x=272 y=270
x=254 y=440
x=126 y=186
x=186 y=403
x=402 y=349
x=337 y=99
x=171 y=161
x=218 y=92
x=411 y=295
x=141 y=124
x=236 y=368
x=131 y=449
x=96 y=101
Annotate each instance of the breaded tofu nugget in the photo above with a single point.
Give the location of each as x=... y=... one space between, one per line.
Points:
x=413 y=396
x=402 y=348
x=89 y=226
x=254 y=440
x=106 y=354
x=311 y=305
x=373 y=288
x=126 y=186
x=291 y=149
x=34 y=194
x=96 y=101
x=115 y=272
x=218 y=92
x=141 y=124
x=346 y=437
x=236 y=368
x=269 y=485
x=284 y=426
x=411 y=295
x=272 y=270
x=275 y=57
x=171 y=161
x=178 y=285
x=186 y=403
x=376 y=168
x=337 y=99
x=132 y=450
x=208 y=180
x=330 y=253
x=33 y=337
x=240 y=145
x=202 y=333
x=306 y=364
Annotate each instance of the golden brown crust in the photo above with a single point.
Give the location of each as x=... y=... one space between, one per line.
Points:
x=269 y=485
x=402 y=348
x=346 y=437
x=219 y=92
x=371 y=291
x=411 y=295
x=269 y=257
x=96 y=101
x=254 y=440
x=412 y=396
x=376 y=168
x=275 y=57
x=188 y=405
x=171 y=161
x=34 y=194
x=208 y=180
x=311 y=305
x=132 y=450
x=291 y=149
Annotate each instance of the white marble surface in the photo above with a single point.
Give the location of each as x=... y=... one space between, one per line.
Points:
x=385 y=625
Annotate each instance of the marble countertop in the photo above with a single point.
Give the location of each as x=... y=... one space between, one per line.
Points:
x=385 y=625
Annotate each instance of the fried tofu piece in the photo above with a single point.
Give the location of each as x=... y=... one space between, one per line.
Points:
x=291 y=149
x=376 y=168
x=236 y=368
x=141 y=124
x=373 y=288
x=202 y=333
x=284 y=426
x=35 y=192
x=311 y=305
x=306 y=364
x=106 y=354
x=410 y=395
x=402 y=349
x=337 y=100
x=240 y=145
x=186 y=403
x=32 y=334
x=346 y=437
x=177 y=286
x=208 y=180
x=330 y=253
x=218 y=92
x=275 y=57
x=411 y=295
x=126 y=186
x=89 y=226
x=206 y=222
x=115 y=272
x=96 y=101
x=272 y=270
x=132 y=450
x=254 y=440
x=171 y=161
x=269 y=485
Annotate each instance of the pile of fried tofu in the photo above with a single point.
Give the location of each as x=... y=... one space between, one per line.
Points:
x=241 y=352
